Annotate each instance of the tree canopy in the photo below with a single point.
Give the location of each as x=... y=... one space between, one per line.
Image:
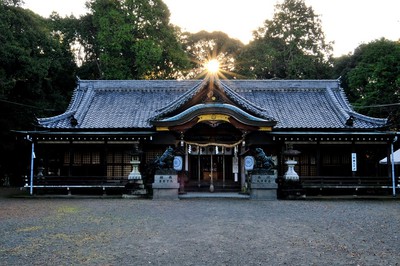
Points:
x=204 y=46
x=371 y=78
x=37 y=68
x=37 y=75
x=290 y=46
x=128 y=39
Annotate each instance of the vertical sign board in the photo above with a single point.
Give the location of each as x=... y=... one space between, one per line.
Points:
x=235 y=167
x=354 y=162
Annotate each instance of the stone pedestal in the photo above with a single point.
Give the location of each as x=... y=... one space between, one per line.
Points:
x=166 y=187
x=263 y=186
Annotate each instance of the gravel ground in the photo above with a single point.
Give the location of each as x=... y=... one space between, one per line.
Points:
x=198 y=232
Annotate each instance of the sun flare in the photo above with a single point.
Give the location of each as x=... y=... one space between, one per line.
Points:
x=212 y=66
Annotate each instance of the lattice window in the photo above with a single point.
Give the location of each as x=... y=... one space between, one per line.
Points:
x=67 y=158
x=336 y=159
x=151 y=155
x=127 y=159
x=86 y=158
x=326 y=159
x=117 y=171
x=118 y=164
x=110 y=158
x=127 y=170
x=306 y=165
x=77 y=158
x=82 y=158
x=96 y=158
x=110 y=170
x=346 y=159
x=118 y=157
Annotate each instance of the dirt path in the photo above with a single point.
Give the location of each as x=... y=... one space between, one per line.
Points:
x=198 y=232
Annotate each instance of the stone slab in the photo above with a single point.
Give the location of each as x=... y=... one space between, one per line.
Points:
x=263 y=181
x=165 y=194
x=165 y=179
x=263 y=194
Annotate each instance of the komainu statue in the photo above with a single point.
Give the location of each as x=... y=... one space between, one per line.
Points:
x=262 y=160
x=165 y=160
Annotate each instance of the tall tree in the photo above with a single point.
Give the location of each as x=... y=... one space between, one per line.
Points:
x=371 y=77
x=126 y=39
x=290 y=46
x=37 y=74
x=36 y=66
x=204 y=46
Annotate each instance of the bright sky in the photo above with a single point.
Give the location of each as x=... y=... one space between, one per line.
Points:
x=348 y=23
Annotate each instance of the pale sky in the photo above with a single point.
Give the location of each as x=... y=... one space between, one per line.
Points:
x=348 y=23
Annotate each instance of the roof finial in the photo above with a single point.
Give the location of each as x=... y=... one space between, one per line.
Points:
x=339 y=80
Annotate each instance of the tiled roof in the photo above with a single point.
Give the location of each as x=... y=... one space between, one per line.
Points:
x=130 y=104
x=237 y=98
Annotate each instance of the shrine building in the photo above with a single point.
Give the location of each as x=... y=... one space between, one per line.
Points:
x=212 y=124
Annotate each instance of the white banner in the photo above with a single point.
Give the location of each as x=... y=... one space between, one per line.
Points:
x=354 y=162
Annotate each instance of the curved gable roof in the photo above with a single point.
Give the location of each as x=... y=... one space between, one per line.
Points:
x=191 y=93
x=213 y=112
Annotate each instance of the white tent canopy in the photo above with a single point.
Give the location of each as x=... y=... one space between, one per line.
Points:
x=396 y=160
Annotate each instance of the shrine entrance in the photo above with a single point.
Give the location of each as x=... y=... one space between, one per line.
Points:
x=213 y=168
x=211 y=122
x=213 y=157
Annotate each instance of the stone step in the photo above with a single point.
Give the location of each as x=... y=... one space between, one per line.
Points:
x=214 y=195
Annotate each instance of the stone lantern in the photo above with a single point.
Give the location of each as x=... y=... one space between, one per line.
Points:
x=291 y=162
x=135 y=178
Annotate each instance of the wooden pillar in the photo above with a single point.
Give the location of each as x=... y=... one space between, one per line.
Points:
x=103 y=159
x=318 y=158
x=389 y=160
x=71 y=158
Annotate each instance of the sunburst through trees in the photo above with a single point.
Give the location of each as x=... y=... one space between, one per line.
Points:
x=216 y=49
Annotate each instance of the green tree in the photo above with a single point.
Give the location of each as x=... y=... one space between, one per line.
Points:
x=36 y=66
x=290 y=46
x=371 y=77
x=81 y=36
x=37 y=75
x=14 y=3
x=126 y=39
x=204 y=46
